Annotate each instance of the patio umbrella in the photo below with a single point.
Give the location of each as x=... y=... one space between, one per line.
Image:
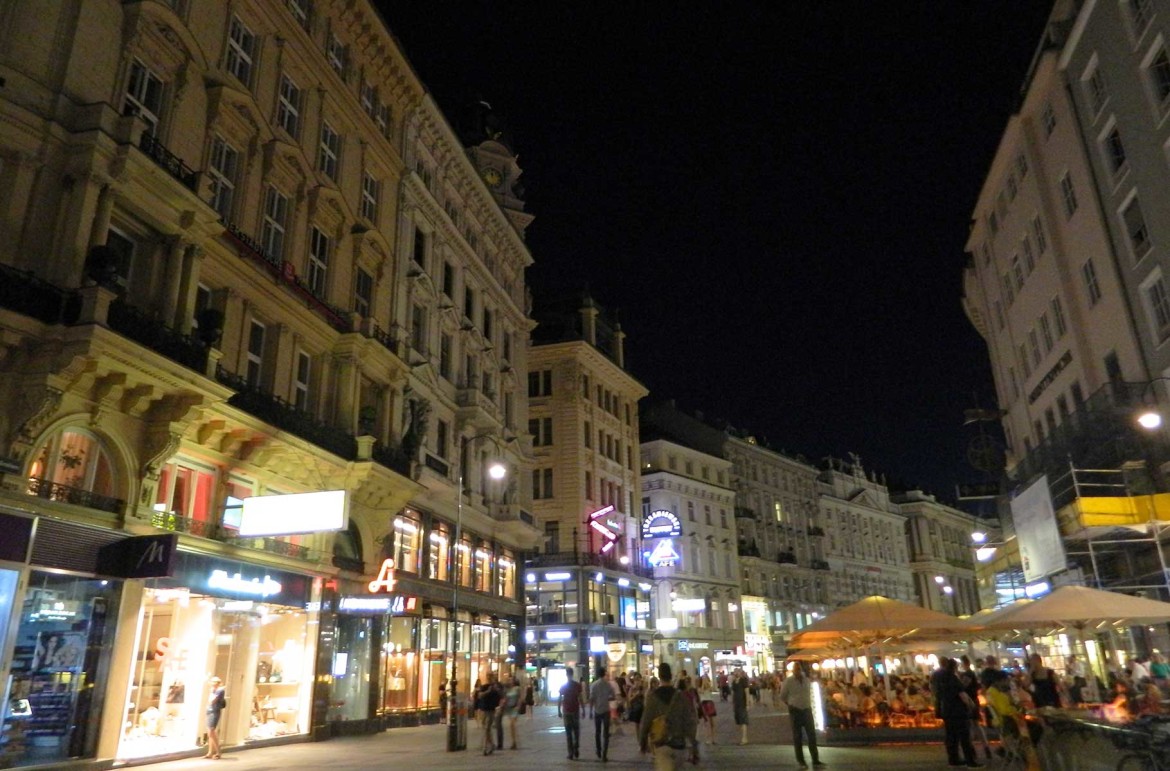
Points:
x=1081 y=607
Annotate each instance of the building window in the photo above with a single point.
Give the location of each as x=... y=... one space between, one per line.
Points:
x=1008 y=290
x=1160 y=307
x=468 y=303
x=222 y=167
x=1158 y=74
x=144 y=96
x=1140 y=14
x=445 y=356
x=123 y=249
x=541 y=430
x=1034 y=345
x=1022 y=165
x=1068 y=195
x=371 y=193
x=407 y=540
x=1029 y=258
x=335 y=53
x=540 y=383
x=363 y=292
x=542 y=484
x=288 y=106
x=1135 y=228
x=419 y=253
x=1114 y=151
x=487 y=324
x=1058 y=317
x=240 y=51
x=1048 y=119
x=1017 y=271
x=993 y=223
x=300 y=10
x=1046 y=332
x=255 y=354
x=442 y=439
x=1092 y=288
x=588 y=434
x=318 y=261
x=1025 y=365
x=329 y=151
x=418 y=328
x=1038 y=232
x=301 y=382
x=999 y=319
x=272 y=229
x=1095 y=90
x=448 y=280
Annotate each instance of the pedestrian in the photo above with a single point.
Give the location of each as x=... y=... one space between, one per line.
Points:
x=970 y=680
x=216 y=704
x=955 y=708
x=687 y=686
x=1045 y=685
x=707 y=713
x=488 y=705
x=530 y=697
x=668 y=723
x=443 y=716
x=502 y=690
x=569 y=708
x=513 y=704
x=637 y=696
x=601 y=693
x=739 y=696
x=724 y=686
x=796 y=694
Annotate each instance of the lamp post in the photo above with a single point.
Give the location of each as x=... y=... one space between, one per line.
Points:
x=496 y=471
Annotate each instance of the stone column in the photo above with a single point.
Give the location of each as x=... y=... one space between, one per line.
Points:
x=188 y=287
x=176 y=254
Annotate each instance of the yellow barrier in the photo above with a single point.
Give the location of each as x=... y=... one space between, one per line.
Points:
x=1123 y=510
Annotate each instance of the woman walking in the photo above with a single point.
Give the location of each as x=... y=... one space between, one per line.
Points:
x=739 y=696
x=216 y=704
x=512 y=697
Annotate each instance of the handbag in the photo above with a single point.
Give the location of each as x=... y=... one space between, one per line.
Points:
x=523 y=707
x=708 y=707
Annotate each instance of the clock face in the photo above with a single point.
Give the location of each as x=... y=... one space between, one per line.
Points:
x=492 y=177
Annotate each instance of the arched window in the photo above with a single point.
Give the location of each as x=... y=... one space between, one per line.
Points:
x=75 y=458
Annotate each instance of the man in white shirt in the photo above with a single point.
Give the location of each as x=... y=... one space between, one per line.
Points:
x=601 y=693
x=796 y=693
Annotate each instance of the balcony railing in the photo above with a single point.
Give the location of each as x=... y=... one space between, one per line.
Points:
x=745 y=513
x=43 y=488
x=170 y=162
x=748 y=549
x=786 y=558
x=275 y=546
x=132 y=323
x=24 y=293
x=588 y=559
x=392 y=458
x=165 y=520
x=820 y=565
x=814 y=530
x=276 y=411
x=388 y=340
x=351 y=564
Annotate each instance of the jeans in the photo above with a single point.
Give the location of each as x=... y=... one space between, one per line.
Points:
x=573 y=733
x=957 y=735
x=802 y=726
x=489 y=718
x=601 y=734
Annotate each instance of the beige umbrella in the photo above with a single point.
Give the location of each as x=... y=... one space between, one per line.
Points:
x=870 y=621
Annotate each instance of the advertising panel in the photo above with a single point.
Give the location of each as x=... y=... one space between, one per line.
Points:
x=295 y=513
x=1041 y=550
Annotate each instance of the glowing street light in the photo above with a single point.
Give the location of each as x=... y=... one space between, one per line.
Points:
x=1150 y=420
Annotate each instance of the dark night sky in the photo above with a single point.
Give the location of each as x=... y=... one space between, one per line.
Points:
x=775 y=195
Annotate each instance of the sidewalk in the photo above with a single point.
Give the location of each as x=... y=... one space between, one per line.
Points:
x=542 y=747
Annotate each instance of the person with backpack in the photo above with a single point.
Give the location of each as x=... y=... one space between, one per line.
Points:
x=668 y=723
x=569 y=707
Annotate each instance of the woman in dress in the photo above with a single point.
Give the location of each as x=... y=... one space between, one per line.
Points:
x=512 y=697
x=739 y=696
x=216 y=703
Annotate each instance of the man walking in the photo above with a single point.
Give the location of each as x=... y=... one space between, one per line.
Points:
x=669 y=723
x=796 y=693
x=601 y=693
x=569 y=707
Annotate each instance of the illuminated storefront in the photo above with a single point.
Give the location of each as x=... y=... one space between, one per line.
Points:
x=244 y=623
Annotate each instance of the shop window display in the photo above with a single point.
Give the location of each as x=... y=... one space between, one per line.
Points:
x=400 y=665
x=350 y=693
x=262 y=652
x=435 y=652
x=60 y=656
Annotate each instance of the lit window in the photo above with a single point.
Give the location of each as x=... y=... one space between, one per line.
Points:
x=76 y=459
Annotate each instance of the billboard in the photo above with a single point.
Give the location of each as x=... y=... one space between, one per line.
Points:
x=295 y=513
x=1038 y=536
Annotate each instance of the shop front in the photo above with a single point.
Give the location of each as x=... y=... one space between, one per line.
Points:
x=252 y=626
x=57 y=636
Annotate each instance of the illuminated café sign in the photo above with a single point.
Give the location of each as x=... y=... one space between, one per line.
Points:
x=608 y=539
x=385 y=603
x=688 y=604
x=757 y=642
x=385 y=579
x=615 y=652
x=664 y=555
x=237 y=584
x=661 y=524
x=317 y=512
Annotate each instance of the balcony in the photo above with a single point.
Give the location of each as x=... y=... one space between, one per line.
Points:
x=437 y=465
x=474 y=407
x=587 y=559
x=511 y=512
x=168 y=161
x=813 y=530
x=24 y=293
x=132 y=323
x=176 y=524
x=820 y=565
x=277 y=412
x=43 y=488
x=275 y=546
x=387 y=340
x=748 y=549
x=786 y=558
x=392 y=458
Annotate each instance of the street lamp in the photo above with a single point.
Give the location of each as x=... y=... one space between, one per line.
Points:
x=496 y=471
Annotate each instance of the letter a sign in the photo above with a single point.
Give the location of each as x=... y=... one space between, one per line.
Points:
x=385 y=579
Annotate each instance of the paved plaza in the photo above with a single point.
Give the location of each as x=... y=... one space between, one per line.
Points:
x=542 y=747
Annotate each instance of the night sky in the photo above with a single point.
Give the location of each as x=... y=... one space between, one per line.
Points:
x=774 y=195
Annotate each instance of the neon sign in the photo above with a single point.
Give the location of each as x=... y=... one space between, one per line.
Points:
x=219 y=579
x=664 y=555
x=383 y=604
x=661 y=524
x=385 y=579
x=609 y=539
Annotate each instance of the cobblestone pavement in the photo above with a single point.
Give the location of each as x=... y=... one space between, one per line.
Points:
x=542 y=747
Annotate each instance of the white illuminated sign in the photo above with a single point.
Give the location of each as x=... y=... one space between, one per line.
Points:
x=1037 y=589
x=597 y=645
x=557 y=576
x=558 y=634
x=385 y=579
x=219 y=579
x=297 y=513
x=381 y=604
x=688 y=604
x=666 y=624
x=664 y=555
x=661 y=524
